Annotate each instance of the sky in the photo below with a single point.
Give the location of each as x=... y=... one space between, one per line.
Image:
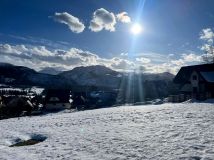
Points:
x=64 y=34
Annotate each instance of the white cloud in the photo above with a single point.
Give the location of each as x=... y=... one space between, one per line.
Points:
x=70 y=57
x=209 y=50
x=95 y=27
x=163 y=67
x=207 y=35
x=38 y=57
x=186 y=59
x=178 y=62
x=123 y=17
x=155 y=57
x=170 y=55
x=102 y=19
x=72 y=22
x=143 y=60
x=191 y=57
x=123 y=54
x=173 y=65
x=122 y=64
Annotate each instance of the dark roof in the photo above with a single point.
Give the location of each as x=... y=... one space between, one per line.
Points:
x=208 y=76
x=184 y=73
x=62 y=95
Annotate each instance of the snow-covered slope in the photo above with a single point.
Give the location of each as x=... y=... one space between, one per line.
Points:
x=169 y=131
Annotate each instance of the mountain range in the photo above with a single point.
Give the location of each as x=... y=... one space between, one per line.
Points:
x=97 y=77
x=19 y=75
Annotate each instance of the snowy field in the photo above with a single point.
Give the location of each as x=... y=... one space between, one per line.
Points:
x=168 y=131
x=36 y=90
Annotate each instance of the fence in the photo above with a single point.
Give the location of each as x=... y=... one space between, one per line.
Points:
x=184 y=97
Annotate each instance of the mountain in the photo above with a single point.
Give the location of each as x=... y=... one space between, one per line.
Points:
x=98 y=76
x=148 y=86
x=19 y=75
x=50 y=70
x=102 y=76
x=5 y=64
x=159 y=76
x=140 y=86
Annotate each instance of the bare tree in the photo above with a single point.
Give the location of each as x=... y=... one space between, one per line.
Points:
x=209 y=54
x=207 y=35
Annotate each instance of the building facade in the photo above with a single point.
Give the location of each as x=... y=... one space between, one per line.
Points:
x=196 y=81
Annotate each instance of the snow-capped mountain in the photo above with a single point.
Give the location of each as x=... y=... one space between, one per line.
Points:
x=93 y=76
x=50 y=70
x=159 y=76
x=102 y=76
x=19 y=75
x=152 y=85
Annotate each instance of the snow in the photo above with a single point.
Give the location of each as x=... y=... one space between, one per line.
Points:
x=197 y=101
x=36 y=90
x=208 y=76
x=167 y=131
x=11 y=89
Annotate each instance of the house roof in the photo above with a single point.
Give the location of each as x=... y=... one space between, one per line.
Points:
x=184 y=73
x=208 y=76
x=54 y=95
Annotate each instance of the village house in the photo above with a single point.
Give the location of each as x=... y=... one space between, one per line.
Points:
x=196 y=81
x=57 y=99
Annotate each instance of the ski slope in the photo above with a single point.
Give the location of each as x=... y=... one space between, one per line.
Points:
x=168 y=132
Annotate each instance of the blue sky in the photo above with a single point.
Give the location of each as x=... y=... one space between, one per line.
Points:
x=171 y=32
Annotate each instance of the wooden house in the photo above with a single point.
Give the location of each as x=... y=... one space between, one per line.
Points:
x=196 y=81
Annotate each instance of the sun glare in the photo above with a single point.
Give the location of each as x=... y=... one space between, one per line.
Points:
x=136 y=29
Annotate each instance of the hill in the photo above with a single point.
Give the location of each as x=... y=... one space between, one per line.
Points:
x=168 y=131
x=98 y=76
x=19 y=75
x=94 y=78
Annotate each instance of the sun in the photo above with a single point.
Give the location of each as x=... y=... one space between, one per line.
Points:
x=136 y=29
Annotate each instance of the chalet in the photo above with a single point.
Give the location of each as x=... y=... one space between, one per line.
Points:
x=196 y=81
x=56 y=99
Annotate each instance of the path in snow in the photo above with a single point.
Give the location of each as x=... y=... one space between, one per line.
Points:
x=169 y=131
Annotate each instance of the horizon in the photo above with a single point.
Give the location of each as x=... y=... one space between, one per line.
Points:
x=106 y=79
x=60 y=71
x=124 y=36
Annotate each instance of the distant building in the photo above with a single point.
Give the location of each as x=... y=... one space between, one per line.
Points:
x=57 y=99
x=196 y=81
x=93 y=99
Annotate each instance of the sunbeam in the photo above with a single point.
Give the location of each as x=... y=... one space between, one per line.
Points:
x=134 y=85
